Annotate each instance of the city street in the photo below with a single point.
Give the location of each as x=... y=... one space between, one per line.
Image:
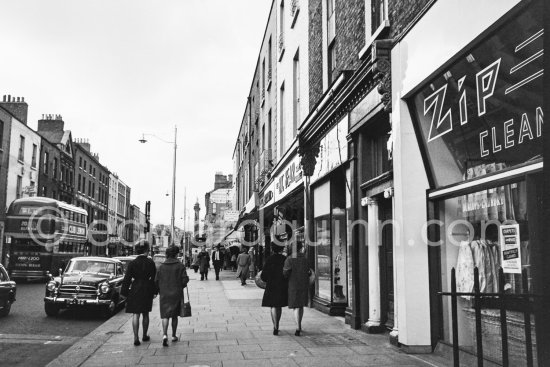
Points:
x=230 y=328
x=27 y=327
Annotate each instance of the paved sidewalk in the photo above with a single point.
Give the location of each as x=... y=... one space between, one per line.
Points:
x=229 y=328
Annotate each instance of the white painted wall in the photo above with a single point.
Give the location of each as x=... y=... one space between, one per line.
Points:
x=18 y=168
x=446 y=28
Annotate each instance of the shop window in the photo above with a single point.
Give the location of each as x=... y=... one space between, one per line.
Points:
x=488 y=229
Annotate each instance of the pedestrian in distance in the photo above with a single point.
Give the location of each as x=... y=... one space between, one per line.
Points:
x=195 y=263
x=234 y=262
x=217 y=259
x=276 y=289
x=296 y=270
x=170 y=281
x=243 y=263
x=138 y=286
x=204 y=263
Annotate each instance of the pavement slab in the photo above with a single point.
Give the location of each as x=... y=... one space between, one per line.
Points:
x=230 y=328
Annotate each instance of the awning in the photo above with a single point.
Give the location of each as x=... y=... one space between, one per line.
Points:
x=252 y=204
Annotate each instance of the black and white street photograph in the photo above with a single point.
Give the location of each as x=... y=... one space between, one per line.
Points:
x=273 y=183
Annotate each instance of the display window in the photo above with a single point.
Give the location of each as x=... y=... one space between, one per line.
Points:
x=330 y=239
x=489 y=228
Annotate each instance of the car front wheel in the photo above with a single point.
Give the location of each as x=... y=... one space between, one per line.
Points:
x=109 y=310
x=51 y=309
x=6 y=310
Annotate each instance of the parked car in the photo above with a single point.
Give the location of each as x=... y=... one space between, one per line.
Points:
x=125 y=260
x=159 y=259
x=8 y=290
x=87 y=281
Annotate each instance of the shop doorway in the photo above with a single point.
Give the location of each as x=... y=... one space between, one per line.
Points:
x=385 y=215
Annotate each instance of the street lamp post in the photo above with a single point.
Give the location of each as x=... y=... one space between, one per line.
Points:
x=143 y=140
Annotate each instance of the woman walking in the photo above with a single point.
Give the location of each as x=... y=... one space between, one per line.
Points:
x=243 y=261
x=204 y=263
x=276 y=289
x=139 y=288
x=296 y=270
x=171 y=280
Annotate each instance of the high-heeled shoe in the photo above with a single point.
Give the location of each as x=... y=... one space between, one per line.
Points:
x=175 y=338
x=164 y=341
x=297 y=333
x=275 y=331
x=136 y=342
x=146 y=338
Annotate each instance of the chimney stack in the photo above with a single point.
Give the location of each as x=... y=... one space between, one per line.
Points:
x=18 y=108
x=51 y=123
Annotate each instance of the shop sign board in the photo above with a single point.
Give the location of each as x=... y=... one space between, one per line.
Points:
x=231 y=215
x=289 y=178
x=510 y=248
x=269 y=195
x=485 y=107
x=333 y=150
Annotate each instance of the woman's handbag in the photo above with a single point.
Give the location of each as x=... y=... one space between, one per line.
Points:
x=311 y=276
x=185 y=309
x=259 y=282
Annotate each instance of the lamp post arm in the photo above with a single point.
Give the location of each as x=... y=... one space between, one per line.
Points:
x=161 y=139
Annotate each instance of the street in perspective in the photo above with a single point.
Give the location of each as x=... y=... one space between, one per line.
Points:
x=273 y=183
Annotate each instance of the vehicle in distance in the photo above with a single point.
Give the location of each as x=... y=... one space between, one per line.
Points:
x=7 y=292
x=87 y=281
x=159 y=259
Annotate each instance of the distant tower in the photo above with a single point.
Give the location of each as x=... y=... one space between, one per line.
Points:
x=197 y=209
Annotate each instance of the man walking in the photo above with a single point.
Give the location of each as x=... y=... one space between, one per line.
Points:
x=217 y=258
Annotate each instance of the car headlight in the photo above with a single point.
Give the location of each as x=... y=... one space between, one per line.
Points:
x=51 y=286
x=104 y=288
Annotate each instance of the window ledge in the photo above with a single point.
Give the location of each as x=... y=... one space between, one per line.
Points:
x=295 y=17
x=381 y=31
x=20 y=161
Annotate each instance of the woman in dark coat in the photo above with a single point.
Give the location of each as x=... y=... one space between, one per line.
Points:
x=139 y=286
x=296 y=270
x=204 y=263
x=171 y=280
x=276 y=289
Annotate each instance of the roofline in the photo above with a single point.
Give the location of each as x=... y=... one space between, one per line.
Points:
x=256 y=68
x=92 y=157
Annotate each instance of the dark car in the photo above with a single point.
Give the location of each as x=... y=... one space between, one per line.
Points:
x=7 y=292
x=87 y=281
x=125 y=260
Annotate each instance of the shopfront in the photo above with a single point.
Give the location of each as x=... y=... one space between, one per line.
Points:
x=478 y=122
x=330 y=207
x=281 y=211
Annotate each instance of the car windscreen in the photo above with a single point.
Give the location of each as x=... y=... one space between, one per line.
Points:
x=91 y=266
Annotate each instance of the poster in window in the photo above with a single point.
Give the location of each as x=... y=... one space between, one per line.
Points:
x=510 y=249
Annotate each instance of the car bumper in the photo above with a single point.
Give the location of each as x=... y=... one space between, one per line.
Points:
x=61 y=301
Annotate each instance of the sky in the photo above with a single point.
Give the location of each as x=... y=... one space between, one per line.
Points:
x=118 y=69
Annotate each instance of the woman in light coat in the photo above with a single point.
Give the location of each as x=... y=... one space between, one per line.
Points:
x=243 y=263
x=171 y=279
x=296 y=270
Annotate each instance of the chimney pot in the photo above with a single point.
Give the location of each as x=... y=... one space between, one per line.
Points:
x=17 y=99
x=22 y=99
x=9 y=97
x=4 y=98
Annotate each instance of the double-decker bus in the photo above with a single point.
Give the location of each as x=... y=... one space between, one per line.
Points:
x=42 y=234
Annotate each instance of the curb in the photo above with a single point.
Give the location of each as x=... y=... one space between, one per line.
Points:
x=79 y=352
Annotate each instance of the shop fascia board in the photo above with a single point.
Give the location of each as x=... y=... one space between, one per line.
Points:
x=486 y=180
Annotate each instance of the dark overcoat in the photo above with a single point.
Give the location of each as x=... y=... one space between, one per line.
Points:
x=139 y=285
x=171 y=280
x=276 y=289
x=243 y=261
x=296 y=270
x=204 y=261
